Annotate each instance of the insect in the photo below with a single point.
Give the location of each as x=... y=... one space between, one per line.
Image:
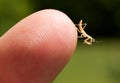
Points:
x=88 y=39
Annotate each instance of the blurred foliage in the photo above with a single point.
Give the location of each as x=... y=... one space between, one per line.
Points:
x=99 y=63
x=11 y=11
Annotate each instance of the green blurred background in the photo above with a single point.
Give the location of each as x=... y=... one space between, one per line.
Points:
x=99 y=63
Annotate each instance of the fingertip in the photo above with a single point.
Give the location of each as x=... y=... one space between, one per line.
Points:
x=45 y=39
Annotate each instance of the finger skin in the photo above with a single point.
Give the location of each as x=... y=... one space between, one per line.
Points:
x=37 y=48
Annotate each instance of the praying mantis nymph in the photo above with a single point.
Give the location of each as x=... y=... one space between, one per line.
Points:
x=88 y=39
